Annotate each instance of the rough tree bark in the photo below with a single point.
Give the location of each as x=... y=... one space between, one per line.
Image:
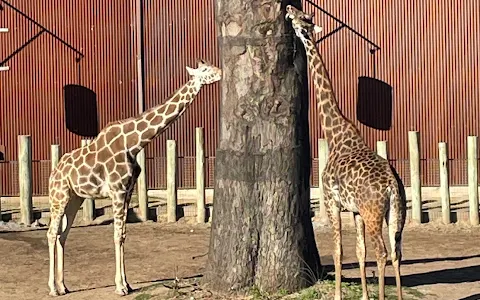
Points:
x=262 y=232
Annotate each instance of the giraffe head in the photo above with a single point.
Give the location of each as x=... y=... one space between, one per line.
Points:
x=302 y=23
x=205 y=73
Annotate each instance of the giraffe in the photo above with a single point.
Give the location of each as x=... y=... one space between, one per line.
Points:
x=355 y=178
x=107 y=167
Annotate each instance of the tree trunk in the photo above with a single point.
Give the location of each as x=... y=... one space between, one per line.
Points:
x=262 y=232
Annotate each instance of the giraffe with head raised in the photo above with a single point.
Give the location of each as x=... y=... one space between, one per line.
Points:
x=355 y=178
x=107 y=167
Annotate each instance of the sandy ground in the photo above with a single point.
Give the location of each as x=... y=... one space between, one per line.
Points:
x=442 y=261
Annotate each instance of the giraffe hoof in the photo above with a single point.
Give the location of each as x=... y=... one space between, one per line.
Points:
x=53 y=293
x=63 y=291
x=121 y=291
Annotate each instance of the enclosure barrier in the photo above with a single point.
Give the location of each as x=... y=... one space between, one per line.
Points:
x=25 y=180
x=171 y=181
x=444 y=186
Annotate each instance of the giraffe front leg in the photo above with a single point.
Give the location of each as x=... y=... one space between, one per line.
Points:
x=119 y=240
x=52 y=236
x=52 y=240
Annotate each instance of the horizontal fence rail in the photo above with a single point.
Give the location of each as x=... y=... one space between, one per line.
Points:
x=173 y=174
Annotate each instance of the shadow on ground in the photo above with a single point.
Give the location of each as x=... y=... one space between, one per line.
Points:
x=449 y=276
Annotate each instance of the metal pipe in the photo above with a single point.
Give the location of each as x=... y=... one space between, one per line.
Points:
x=139 y=45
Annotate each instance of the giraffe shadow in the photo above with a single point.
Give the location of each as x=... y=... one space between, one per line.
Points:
x=152 y=284
x=472 y=297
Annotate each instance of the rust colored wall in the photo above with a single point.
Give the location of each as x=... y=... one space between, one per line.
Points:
x=428 y=55
x=31 y=92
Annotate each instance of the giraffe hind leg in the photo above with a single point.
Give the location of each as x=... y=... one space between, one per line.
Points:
x=361 y=252
x=395 y=220
x=374 y=229
x=70 y=212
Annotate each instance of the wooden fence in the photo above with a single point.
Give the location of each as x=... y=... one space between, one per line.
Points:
x=25 y=179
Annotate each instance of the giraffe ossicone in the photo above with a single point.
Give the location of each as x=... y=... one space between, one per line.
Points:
x=107 y=167
x=355 y=178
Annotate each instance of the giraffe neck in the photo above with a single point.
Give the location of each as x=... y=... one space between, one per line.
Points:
x=336 y=127
x=158 y=118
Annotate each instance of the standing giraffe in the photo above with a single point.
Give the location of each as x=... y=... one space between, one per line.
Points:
x=107 y=167
x=355 y=178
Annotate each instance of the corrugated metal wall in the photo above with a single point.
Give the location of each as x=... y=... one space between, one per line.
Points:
x=428 y=55
x=31 y=92
x=177 y=33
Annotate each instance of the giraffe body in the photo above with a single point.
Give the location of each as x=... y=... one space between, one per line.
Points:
x=107 y=167
x=355 y=177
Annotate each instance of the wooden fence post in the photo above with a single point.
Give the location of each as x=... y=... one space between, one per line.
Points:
x=444 y=188
x=142 y=186
x=382 y=149
x=171 y=181
x=25 y=178
x=473 y=179
x=322 y=162
x=88 y=203
x=414 y=150
x=54 y=155
x=200 y=174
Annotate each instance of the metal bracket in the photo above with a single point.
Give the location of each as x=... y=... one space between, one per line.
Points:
x=342 y=25
x=43 y=30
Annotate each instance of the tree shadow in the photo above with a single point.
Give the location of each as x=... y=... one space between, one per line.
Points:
x=412 y=261
x=447 y=276
x=472 y=297
x=374 y=103
x=81 y=110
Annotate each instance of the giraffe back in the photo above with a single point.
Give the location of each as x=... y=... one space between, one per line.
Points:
x=359 y=179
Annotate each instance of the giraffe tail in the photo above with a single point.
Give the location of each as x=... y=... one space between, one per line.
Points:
x=396 y=221
x=396 y=215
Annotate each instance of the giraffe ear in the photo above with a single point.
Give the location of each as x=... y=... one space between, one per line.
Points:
x=191 y=71
x=317 y=29
x=201 y=63
x=310 y=16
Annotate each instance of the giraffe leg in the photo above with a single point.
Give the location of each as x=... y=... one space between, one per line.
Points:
x=333 y=212
x=361 y=252
x=375 y=231
x=56 y=214
x=66 y=223
x=124 y=236
x=119 y=217
x=55 y=219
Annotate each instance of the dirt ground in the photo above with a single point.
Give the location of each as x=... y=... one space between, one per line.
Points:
x=441 y=261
